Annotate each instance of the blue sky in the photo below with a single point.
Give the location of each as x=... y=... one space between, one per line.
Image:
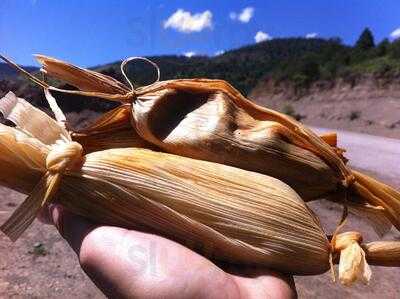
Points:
x=93 y=32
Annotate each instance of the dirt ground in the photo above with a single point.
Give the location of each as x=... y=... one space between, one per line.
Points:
x=41 y=265
x=364 y=108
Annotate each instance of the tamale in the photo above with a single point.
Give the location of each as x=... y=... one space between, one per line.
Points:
x=210 y=120
x=234 y=215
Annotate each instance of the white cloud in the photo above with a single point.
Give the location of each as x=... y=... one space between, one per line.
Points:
x=189 y=54
x=262 y=36
x=244 y=16
x=220 y=52
x=395 y=34
x=311 y=35
x=186 y=22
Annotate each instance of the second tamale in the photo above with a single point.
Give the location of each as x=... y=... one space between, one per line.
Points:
x=210 y=120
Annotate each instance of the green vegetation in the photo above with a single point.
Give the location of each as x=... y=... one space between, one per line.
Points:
x=38 y=249
x=335 y=60
x=366 y=41
x=394 y=50
x=243 y=67
x=297 y=60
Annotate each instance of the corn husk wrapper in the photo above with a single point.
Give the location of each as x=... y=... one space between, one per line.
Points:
x=240 y=215
x=210 y=120
x=227 y=213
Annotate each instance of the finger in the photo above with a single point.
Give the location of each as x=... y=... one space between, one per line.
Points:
x=260 y=282
x=125 y=264
x=255 y=272
x=44 y=215
x=131 y=264
x=140 y=265
x=268 y=285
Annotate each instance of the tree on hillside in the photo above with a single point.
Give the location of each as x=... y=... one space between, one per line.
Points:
x=366 y=40
x=305 y=70
x=383 y=47
x=394 y=50
x=309 y=67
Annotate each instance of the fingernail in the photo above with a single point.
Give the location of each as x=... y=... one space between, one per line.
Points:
x=55 y=211
x=44 y=215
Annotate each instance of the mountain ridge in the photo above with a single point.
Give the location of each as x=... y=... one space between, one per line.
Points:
x=299 y=62
x=7 y=72
x=242 y=67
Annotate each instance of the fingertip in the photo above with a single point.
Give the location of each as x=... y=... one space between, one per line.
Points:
x=56 y=217
x=44 y=216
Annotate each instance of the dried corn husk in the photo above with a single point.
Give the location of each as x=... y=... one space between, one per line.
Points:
x=162 y=106
x=119 y=133
x=190 y=200
x=210 y=120
x=234 y=215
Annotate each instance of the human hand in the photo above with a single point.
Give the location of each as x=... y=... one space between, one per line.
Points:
x=131 y=264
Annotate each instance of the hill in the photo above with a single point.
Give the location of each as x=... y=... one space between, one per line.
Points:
x=8 y=73
x=298 y=62
x=242 y=67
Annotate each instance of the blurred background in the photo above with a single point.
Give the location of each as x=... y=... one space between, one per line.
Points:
x=330 y=65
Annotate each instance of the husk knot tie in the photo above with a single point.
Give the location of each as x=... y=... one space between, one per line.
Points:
x=64 y=156
x=353 y=265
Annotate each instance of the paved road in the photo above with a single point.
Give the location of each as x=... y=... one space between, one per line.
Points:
x=376 y=154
